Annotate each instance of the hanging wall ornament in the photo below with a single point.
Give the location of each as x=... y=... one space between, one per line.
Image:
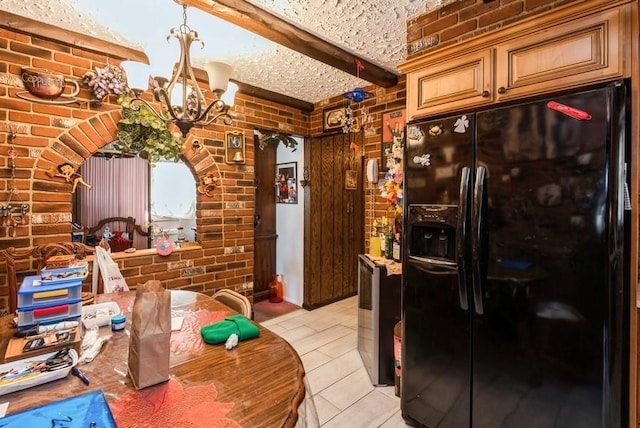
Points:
x=357 y=95
x=13 y=213
x=208 y=183
x=67 y=171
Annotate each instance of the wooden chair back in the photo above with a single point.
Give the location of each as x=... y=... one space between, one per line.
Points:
x=235 y=301
x=40 y=253
x=125 y=224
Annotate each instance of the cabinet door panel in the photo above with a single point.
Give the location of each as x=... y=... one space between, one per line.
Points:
x=458 y=83
x=578 y=52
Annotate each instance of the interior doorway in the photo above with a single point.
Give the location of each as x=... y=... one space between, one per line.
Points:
x=265 y=236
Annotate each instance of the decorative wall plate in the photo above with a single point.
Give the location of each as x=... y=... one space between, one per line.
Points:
x=56 y=101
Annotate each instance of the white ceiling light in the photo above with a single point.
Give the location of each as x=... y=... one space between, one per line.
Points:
x=183 y=102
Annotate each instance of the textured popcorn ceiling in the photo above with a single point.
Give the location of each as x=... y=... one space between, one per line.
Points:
x=371 y=29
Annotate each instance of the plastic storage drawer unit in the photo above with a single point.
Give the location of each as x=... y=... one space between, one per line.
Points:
x=75 y=272
x=34 y=315
x=33 y=292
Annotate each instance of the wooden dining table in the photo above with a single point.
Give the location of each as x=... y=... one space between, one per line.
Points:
x=259 y=383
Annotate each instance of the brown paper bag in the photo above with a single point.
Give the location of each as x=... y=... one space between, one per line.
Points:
x=150 y=335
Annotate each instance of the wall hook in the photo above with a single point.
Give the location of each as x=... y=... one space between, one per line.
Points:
x=305 y=177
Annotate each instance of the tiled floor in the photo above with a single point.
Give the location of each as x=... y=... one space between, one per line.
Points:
x=326 y=340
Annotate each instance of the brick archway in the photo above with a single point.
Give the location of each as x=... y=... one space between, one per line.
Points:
x=83 y=139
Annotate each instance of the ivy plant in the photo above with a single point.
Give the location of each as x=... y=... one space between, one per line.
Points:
x=141 y=131
x=277 y=138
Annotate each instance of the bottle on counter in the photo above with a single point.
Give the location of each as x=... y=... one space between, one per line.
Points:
x=383 y=236
x=396 y=247
x=388 y=245
x=374 y=240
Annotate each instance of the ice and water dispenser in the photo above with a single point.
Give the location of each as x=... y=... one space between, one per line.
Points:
x=432 y=230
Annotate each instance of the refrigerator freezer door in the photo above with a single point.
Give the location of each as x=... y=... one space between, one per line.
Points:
x=435 y=154
x=436 y=323
x=538 y=345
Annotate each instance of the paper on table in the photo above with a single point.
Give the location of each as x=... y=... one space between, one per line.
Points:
x=176 y=323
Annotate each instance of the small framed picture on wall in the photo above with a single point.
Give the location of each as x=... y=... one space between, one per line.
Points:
x=287 y=183
x=234 y=148
x=351 y=179
x=332 y=118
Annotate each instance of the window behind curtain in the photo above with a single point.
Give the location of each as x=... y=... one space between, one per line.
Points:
x=173 y=199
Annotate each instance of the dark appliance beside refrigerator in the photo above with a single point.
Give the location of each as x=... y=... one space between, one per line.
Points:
x=515 y=288
x=379 y=296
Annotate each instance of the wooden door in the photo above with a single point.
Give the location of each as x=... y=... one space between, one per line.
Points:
x=333 y=222
x=264 y=241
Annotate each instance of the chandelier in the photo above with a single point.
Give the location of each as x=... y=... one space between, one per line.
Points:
x=183 y=102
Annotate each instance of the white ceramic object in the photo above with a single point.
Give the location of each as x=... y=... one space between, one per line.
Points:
x=99 y=315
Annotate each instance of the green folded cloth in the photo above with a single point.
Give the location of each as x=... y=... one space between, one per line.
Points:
x=219 y=332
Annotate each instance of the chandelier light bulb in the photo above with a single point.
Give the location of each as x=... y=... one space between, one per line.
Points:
x=137 y=75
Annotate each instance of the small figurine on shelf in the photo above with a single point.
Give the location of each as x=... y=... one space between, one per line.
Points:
x=104 y=242
x=181 y=236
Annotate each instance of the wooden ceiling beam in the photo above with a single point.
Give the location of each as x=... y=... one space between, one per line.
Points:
x=265 y=24
x=29 y=26
x=265 y=94
x=261 y=93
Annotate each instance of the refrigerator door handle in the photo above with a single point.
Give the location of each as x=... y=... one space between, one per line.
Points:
x=476 y=237
x=461 y=237
x=433 y=266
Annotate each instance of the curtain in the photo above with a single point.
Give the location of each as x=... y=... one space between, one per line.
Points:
x=120 y=189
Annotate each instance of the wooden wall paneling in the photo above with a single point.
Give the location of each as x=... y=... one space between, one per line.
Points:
x=353 y=237
x=312 y=268
x=340 y=214
x=306 y=193
x=327 y=208
x=333 y=222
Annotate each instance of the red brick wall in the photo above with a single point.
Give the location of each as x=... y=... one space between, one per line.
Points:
x=50 y=134
x=464 y=19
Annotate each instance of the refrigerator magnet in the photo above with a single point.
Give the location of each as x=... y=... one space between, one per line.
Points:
x=424 y=160
x=569 y=111
x=435 y=130
x=461 y=124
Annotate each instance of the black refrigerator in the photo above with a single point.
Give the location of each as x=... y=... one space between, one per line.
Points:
x=515 y=271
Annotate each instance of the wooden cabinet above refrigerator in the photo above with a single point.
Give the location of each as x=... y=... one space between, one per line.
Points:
x=582 y=43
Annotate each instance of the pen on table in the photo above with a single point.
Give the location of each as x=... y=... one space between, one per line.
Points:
x=76 y=372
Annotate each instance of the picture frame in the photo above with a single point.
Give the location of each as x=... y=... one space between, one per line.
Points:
x=234 y=147
x=351 y=179
x=332 y=118
x=286 y=185
x=393 y=124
